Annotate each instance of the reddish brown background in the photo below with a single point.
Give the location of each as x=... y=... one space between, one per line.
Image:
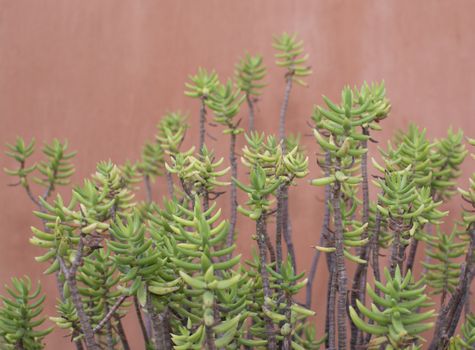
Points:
x=101 y=73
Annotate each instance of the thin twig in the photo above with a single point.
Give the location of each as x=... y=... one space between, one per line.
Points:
x=140 y=319
x=250 y=104
x=340 y=265
x=359 y=280
x=202 y=123
x=121 y=333
x=323 y=234
x=261 y=234
x=233 y=197
x=109 y=314
x=70 y=275
x=169 y=177
x=148 y=188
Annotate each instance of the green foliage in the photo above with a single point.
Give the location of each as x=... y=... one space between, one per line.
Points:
x=211 y=284
x=171 y=132
x=175 y=261
x=57 y=169
x=19 y=320
x=289 y=56
x=469 y=197
x=289 y=314
x=447 y=155
x=443 y=272
x=468 y=330
x=21 y=152
x=198 y=174
x=405 y=204
x=67 y=316
x=467 y=340
x=258 y=192
x=135 y=256
x=337 y=131
x=263 y=151
x=202 y=84
x=152 y=161
x=248 y=75
x=397 y=324
x=225 y=103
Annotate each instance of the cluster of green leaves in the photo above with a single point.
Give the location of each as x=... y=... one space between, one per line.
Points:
x=211 y=285
x=198 y=173
x=447 y=155
x=395 y=316
x=258 y=192
x=339 y=132
x=267 y=153
x=19 y=319
x=171 y=132
x=467 y=339
x=406 y=204
x=469 y=196
x=290 y=57
x=443 y=272
x=248 y=75
x=202 y=84
x=56 y=169
x=225 y=102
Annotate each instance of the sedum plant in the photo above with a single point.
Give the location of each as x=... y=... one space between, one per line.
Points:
x=174 y=263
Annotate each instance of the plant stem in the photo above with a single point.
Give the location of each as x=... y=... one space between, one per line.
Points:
x=234 y=204
x=109 y=313
x=270 y=248
x=323 y=234
x=205 y=200
x=77 y=342
x=278 y=230
x=331 y=298
x=148 y=188
x=145 y=334
x=170 y=184
x=210 y=339
x=395 y=259
x=70 y=275
x=157 y=330
x=283 y=194
x=286 y=226
x=121 y=333
x=202 y=124
x=108 y=326
x=412 y=254
x=261 y=242
x=283 y=110
x=358 y=289
x=287 y=341
x=340 y=268
x=375 y=246
x=250 y=104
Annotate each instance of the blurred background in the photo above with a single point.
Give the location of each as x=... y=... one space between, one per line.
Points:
x=101 y=74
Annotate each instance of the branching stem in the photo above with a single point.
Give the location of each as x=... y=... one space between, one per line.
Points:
x=233 y=197
x=250 y=104
x=261 y=241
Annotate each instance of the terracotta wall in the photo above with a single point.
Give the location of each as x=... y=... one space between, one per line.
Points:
x=101 y=73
